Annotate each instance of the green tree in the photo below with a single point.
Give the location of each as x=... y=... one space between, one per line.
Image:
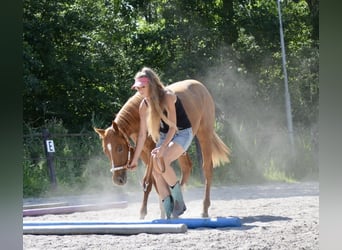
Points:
x=74 y=62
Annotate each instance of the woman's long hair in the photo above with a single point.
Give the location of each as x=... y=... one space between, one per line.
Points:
x=156 y=103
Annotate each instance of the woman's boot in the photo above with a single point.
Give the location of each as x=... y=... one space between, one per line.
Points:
x=178 y=202
x=168 y=206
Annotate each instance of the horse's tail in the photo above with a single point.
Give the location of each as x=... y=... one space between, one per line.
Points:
x=220 y=151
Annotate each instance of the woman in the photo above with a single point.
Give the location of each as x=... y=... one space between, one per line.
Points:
x=163 y=118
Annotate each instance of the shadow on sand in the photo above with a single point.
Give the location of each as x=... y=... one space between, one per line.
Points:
x=263 y=218
x=246 y=222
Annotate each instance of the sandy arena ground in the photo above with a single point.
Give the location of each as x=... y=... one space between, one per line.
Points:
x=274 y=216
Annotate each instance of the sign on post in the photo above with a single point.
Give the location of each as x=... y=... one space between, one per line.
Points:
x=49 y=150
x=50 y=147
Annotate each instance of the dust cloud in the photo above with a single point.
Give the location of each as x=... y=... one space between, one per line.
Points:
x=256 y=129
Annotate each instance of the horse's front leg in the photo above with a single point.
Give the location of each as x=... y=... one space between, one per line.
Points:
x=143 y=209
x=148 y=182
x=147 y=190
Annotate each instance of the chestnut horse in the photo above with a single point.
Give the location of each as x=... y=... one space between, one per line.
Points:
x=200 y=108
x=116 y=144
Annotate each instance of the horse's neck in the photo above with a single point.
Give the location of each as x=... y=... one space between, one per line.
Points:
x=128 y=119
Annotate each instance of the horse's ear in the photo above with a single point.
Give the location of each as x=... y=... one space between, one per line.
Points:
x=115 y=126
x=100 y=132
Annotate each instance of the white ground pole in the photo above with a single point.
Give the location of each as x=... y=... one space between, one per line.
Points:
x=124 y=229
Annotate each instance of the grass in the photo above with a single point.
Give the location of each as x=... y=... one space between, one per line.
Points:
x=272 y=173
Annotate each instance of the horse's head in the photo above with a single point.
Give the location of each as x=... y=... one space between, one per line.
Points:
x=116 y=146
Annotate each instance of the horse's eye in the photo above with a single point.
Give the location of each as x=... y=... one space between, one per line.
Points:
x=119 y=148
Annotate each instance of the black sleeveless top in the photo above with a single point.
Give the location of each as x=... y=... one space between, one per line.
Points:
x=182 y=119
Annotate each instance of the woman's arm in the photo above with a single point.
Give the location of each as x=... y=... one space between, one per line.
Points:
x=141 y=137
x=170 y=100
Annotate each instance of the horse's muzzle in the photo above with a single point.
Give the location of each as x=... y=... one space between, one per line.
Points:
x=120 y=177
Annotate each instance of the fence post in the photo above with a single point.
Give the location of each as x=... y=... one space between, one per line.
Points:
x=49 y=151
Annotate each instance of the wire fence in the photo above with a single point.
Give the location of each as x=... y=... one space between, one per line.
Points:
x=50 y=158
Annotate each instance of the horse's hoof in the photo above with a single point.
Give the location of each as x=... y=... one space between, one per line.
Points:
x=143 y=214
x=205 y=215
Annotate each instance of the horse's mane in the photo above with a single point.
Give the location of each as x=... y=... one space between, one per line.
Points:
x=128 y=117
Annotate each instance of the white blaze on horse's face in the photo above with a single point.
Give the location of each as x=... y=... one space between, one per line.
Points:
x=115 y=168
x=109 y=147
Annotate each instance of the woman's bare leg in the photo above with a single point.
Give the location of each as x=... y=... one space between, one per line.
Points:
x=172 y=152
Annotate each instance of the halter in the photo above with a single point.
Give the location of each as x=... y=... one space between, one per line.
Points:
x=124 y=166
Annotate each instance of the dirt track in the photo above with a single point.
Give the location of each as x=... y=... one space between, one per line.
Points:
x=274 y=216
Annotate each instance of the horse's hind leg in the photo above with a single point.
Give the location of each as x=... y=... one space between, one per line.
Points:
x=186 y=167
x=208 y=175
x=207 y=169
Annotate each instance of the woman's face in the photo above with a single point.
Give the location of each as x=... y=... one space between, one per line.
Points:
x=143 y=90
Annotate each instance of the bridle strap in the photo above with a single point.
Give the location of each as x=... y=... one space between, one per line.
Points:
x=129 y=155
x=124 y=166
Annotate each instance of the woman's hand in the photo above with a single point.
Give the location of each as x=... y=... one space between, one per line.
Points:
x=155 y=152
x=133 y=165
x=158 y=152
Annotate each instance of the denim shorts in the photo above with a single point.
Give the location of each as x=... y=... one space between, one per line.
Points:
x=182 y=137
